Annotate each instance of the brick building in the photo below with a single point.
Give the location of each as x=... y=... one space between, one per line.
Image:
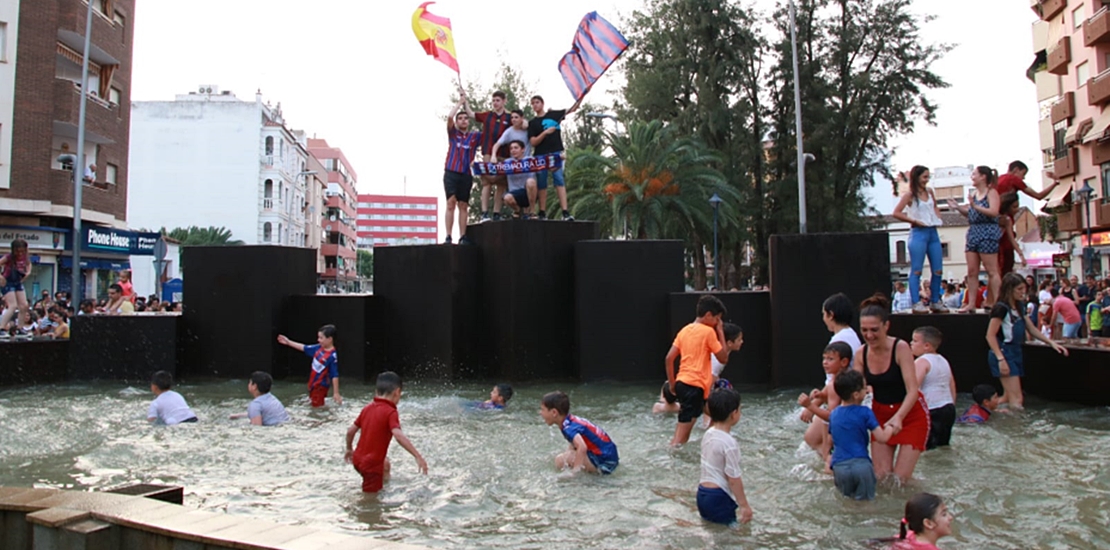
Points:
x=385 y=220
x=43 y=47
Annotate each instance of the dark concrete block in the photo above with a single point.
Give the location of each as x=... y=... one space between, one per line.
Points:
x=622 y=293
x=33 y=362
x=965 y=343
x=355 y=331
x=430 y=310
x=233 y=310
x=1083 y=377
x=805 y=270
x=751 y=365
x=528 y=296
x=122 y=347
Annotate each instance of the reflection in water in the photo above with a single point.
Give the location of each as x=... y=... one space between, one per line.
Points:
x=1034 y=481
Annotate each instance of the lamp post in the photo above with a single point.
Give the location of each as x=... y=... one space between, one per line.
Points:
x=716 y=201
x=798 y=125
x=79 y=166
x=1085 y=193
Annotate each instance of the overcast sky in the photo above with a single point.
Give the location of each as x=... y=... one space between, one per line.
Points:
x=352 y=72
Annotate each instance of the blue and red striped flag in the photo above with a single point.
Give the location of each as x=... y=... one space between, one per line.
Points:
x=596 y=46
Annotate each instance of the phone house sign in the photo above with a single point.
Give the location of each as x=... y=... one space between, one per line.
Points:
x=107 y=239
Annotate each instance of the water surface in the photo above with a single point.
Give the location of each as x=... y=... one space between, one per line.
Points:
x=1038 y=480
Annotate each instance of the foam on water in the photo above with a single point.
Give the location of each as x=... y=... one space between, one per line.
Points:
x=1022 y=481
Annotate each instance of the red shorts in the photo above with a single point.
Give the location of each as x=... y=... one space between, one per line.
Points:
x=915 y=427
x=373 y=476
x=318 y=395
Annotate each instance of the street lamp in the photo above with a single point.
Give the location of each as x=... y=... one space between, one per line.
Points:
x=1085 y=193
x=798 y=126
x=79 y=166
x=716 y=201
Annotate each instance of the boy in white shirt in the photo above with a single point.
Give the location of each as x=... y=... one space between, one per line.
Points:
x=934 y=377
x=168 y=406
x=721 y=490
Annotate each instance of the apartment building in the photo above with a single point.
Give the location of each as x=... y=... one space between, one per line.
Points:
x=390 y=220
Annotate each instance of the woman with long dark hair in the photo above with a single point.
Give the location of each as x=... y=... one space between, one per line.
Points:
x=888 y=366
x=918 y=207
x=983 y=235
x=1006 y=335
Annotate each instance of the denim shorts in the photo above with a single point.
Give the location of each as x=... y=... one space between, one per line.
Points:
x=11 y=287
x=855 y=478
x=605 y=467
x=556 y=175
x=715 y=505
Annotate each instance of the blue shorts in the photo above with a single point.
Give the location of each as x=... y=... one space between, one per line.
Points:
x=521 y=197
x=541 y=178
x=715 y=505
x=1013 y=358
x=11 y=287
x=604 y=467
x=855 y=478
x=983 y=238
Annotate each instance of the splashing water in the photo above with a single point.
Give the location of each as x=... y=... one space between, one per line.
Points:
x=1033 y=480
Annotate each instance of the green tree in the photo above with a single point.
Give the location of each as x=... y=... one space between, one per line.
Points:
x=365 y=264
x=202 y=236
x=698 y=65
x=654 y=185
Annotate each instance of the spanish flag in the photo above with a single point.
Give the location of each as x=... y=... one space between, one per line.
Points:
x=434 y=34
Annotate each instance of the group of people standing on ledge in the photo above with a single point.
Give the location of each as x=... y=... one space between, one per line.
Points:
x=991 y=240
x=503 y=135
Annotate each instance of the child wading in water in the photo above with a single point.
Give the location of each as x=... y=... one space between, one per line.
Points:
x=1006 y=335
x=591 y=449
x=721 y=490
x=926 y=520
x=325 y=365
x=837 y=357
x=693 y=346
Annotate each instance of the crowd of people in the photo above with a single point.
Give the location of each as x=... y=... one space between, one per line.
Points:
x=503 y=135
x=50 y=315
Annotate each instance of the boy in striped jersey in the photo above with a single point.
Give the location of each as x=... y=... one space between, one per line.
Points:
x=591 y=449
x=457 y=181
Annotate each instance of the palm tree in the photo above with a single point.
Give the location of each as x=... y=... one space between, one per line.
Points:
x=202 y=236
x=653 y=185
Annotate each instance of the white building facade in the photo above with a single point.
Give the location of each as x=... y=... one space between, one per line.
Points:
x=210 y=159
x=9 y=31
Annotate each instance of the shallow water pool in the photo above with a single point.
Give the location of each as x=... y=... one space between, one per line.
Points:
x=1037 y=480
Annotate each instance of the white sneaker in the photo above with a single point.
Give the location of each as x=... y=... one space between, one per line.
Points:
x=938 y=308
x=920 y=308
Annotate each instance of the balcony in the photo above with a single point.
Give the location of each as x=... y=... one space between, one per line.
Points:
x=1098 y=89
x=1103 y=214
x=1096 y=30
x=1070 y=220
x=1100 y=152
x=1047 y=9
x=1064 y=109
x=1059 y=56
x=1068 y=165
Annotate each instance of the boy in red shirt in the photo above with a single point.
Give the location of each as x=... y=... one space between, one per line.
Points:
x=379 y=424
x=694 y=344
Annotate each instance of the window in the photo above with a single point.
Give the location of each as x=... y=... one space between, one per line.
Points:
x=944 y=250
x=99 y=6
x=1061 y=150
x=119 y=19
x=3 y=42
x=900 y=252
x=114 y=96
x=1105 y=182
x=267 y=232
x=268 y=189
x=110 y=173
x=1078 y=16
x=269 y=145
x=1082 y=74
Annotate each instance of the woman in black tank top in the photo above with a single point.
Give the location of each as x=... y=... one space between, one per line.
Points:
x=888 y=366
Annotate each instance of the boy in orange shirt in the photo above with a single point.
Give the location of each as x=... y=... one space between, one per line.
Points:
x=695 y=343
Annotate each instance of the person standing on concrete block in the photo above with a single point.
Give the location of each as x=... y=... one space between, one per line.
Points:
x=918 y=207
x=457 y=181
x=494 y=123
x=546 y=137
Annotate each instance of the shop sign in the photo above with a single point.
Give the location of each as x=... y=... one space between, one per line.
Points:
x=1097 y=239
x=36 y=237
x=119 y=241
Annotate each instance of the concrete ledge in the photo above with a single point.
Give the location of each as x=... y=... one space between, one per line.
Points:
x=70 y=519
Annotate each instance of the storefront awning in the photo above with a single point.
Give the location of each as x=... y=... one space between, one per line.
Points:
x=1060 y=196
x=1099 y=129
